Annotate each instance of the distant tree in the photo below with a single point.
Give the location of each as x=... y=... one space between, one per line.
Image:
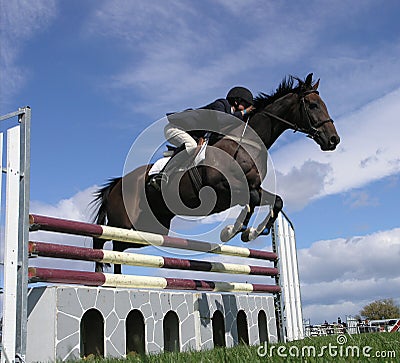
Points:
x=381 y=309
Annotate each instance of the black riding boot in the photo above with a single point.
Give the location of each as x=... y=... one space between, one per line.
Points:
x=175 y=164
x=156 y=180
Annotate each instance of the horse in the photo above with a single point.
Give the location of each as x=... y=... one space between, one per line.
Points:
x=130 y=202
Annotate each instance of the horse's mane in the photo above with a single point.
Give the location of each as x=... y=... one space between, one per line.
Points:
x=285 y=87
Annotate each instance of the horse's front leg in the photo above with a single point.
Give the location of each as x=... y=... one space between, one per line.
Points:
x=266 y=198
x=276 y=202
x=232 y=230
x=243 y=219
x=255 y=201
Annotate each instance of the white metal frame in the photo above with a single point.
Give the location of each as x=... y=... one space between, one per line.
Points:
x=288 y=304
x=16 y=230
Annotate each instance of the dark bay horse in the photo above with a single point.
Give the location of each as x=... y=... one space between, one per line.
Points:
x=130 y=202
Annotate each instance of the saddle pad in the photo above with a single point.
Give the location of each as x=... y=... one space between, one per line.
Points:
x=159 y=165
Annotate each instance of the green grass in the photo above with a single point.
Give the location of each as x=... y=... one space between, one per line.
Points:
x=385 y=344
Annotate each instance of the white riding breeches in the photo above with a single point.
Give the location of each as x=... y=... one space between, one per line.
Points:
x=177 y=136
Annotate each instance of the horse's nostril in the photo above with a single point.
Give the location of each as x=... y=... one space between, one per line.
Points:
x=334 y=140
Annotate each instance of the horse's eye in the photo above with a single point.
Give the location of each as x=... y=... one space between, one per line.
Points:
x=313 y=106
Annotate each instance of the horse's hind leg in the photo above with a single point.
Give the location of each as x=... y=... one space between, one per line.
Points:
x=121 y=219
x=98 y=244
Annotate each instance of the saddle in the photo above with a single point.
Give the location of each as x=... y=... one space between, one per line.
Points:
x=158 y=174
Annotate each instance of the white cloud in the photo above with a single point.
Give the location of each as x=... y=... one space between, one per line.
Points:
x=301 y=184
x=338 y=277
x=358 y=199
x=358 y=257
x=20 y=21
x=75 y=208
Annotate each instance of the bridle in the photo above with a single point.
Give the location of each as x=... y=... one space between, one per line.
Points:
x=311 y=131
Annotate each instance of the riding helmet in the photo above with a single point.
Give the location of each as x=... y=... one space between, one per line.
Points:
x=241 y=93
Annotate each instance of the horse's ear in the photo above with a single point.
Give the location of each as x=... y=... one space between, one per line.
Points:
x=315 y=87
x=308 y=82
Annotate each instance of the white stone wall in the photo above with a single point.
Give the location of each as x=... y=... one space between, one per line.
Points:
x=55 y=312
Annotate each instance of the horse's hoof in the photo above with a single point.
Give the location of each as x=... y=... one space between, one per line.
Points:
x=227 y=233
x=245 y=236
x=249 y=234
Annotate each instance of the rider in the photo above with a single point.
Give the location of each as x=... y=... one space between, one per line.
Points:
x=238 y=102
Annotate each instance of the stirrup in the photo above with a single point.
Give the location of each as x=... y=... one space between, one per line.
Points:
x=157 y=179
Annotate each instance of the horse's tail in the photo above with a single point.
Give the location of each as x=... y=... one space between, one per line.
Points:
x=100 y=202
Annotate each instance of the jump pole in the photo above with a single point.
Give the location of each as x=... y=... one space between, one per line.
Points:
x=149 y=282
x=45 y=249
x=44 y=223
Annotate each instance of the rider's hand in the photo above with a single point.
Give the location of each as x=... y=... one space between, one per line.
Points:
x=250 y=109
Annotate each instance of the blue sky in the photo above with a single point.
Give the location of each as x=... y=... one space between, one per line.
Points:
x=96 y=74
